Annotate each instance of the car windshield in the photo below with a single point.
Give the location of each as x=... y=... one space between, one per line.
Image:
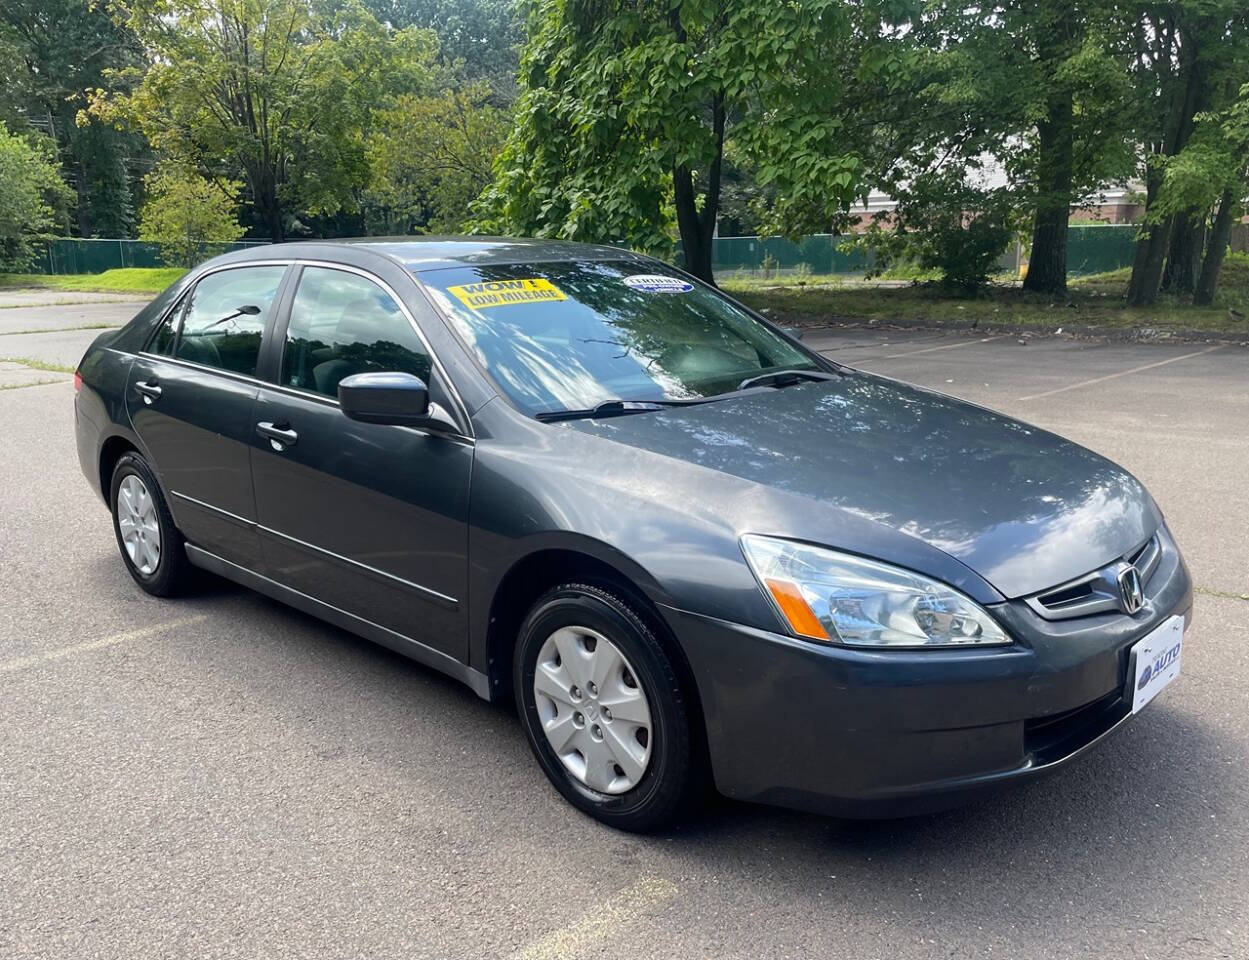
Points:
x=569 y=335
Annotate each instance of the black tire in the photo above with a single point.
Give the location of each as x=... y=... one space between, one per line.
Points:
x=671 y=777
x=173 y=571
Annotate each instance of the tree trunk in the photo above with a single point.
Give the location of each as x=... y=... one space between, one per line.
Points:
x=1047 y=266
x=1216 y=250
x=271 y=215
x=1184 y=253
x=83 y=206
x=264 y=190
x=1151 y=249
x=698 y=228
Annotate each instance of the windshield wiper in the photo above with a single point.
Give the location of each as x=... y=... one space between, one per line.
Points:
x=784 y=378
x=614 y=408
x=619 y=408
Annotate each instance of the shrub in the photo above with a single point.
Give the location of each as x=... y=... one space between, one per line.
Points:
x=945 y=224
x=186 y=212
x=32 y=199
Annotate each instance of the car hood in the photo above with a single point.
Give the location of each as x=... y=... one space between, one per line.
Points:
x=1023 y=508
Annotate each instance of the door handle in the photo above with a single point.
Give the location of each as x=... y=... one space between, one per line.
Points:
x=149 y=390
x=280 y=435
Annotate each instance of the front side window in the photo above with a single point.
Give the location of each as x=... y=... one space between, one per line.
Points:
x=342 y=323
x=567 y=335
x=225 y=318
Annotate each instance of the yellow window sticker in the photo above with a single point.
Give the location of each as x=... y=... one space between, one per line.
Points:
x=506 y=293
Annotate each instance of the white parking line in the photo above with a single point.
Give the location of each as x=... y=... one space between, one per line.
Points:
x=944 y=346
x=1121 y=373
x=600 y=923
x=22 y=663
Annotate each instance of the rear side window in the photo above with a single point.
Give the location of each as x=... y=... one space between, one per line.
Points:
x=225 y=318
x=167 y=332
x=342 y=323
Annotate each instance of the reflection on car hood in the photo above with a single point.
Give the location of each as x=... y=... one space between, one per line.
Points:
x=1022 y=507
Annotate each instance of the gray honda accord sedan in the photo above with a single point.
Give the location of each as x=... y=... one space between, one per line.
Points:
x=684 y=545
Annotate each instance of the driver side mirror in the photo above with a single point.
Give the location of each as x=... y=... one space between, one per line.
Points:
x=398 y=399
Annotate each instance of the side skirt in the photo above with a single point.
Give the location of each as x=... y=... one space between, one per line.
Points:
x=406 y=646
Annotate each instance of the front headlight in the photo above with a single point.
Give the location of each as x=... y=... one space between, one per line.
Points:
x=839 y=598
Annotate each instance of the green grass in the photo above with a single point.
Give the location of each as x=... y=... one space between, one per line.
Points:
x=1095 y=301
x=35 y=364
x=33 y=383
x=145 y=280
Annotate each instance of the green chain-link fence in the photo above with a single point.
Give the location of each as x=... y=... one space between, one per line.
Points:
x=817 y=254
x=1091 y=248
x=72 y=255
x=1096 y=248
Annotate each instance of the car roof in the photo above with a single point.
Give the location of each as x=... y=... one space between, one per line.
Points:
x=420 y=254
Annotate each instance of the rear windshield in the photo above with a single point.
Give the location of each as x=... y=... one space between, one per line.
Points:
x=568 y=335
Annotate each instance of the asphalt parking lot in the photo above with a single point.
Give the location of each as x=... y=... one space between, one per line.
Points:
x=221 y=776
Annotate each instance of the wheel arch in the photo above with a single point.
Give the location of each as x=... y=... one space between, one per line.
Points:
x=547 y=566
x=542 y=569
x=113 y=449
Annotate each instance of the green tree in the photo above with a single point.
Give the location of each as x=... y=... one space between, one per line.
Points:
x=1209 y=176
x=481 y=38
x=1081 y=127
x=51 y=53
x=626 y=107
x=1039 y=86
x=277 y=93
x=1191 y=58
x=33 y=198
x=185 y=213
x=433 y=156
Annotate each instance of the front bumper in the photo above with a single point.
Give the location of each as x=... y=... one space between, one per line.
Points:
x=855 y=732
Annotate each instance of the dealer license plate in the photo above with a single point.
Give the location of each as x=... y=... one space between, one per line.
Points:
x=1155 y=661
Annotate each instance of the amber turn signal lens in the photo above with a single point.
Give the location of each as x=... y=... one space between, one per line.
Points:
x=800 y=616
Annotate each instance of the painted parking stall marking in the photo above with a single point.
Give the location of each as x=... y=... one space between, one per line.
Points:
x=1121 y=373
x=60 y=653
x=506 y=293
x=601 y=923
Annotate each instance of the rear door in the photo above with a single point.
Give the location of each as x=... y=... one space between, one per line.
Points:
x=372 y=519
x=191 y=395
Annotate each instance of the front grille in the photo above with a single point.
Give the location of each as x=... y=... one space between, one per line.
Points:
x=1097 y=592
x=1146 y=558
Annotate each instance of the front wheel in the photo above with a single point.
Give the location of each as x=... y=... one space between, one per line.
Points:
x=603 y=708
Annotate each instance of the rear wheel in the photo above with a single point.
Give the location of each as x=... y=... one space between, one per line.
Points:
x=603 y=709
x=151 y=546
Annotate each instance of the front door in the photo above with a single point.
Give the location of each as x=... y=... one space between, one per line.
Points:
x=190 y=396
x=371 y=519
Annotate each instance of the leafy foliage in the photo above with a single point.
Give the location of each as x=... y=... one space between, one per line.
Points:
x=947 y=224
x=51 y=53
x=1215 y=159
x=278 y=93
x=433 y=156
x=479 y=38
x=32 y=198
x=625 y=109
x=186 y=212
x=1192 y=58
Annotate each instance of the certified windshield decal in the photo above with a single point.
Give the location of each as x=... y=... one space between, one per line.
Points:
x=657 y=283
x=506 y=293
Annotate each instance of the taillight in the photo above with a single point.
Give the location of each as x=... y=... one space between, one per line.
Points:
x=77 y=381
